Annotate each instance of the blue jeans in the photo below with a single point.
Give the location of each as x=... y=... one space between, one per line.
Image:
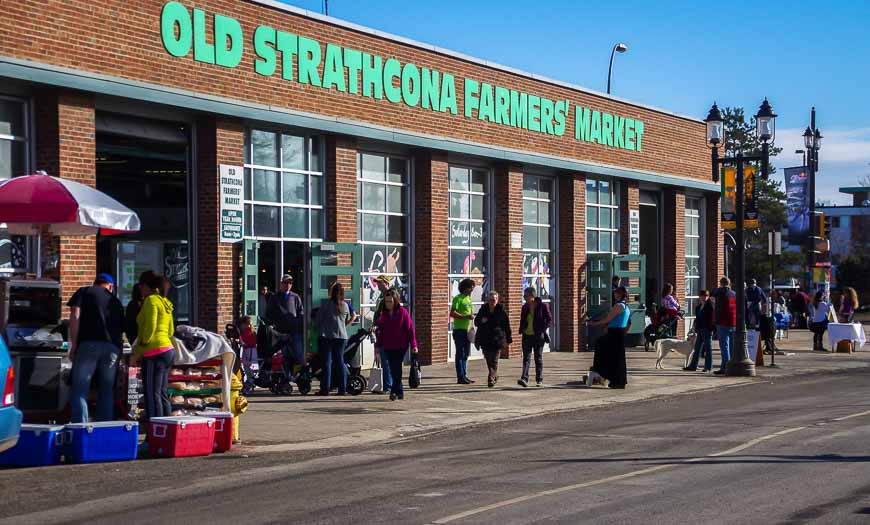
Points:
x=726 y=336
x=703 y=342
x=293 y=354
x=385 y=370
x=395 y=358
x=463 y=349
x=155 y=375
x=332 y=351
x=94 y=358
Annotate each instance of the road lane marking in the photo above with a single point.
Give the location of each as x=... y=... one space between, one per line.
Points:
x=850 y=416
x=619 y=477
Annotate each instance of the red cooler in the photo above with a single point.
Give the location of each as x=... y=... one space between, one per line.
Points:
x=223 y=429
x=181 y=436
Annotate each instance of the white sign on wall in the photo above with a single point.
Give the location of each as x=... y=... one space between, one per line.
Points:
x=633 y=232
x=232 y=208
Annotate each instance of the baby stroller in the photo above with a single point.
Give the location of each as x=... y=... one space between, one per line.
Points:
x=356 y=383
x=270 y=343
x=663 y=326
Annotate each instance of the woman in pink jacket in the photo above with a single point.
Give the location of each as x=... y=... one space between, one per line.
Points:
x=395 y=333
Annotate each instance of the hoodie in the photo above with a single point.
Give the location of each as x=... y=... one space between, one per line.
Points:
x=156 y=326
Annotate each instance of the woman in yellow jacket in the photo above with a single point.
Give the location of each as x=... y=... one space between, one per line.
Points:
x=154 y=345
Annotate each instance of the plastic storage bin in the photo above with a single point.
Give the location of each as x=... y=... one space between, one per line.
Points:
x=181 y=436
x=38 y=446
x=223 y=429
x=103 y=441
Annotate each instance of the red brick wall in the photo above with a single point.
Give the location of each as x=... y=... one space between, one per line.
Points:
x=431 y=292
x=571 y=301
x=341 y=168
x=629 y=199
x=674 y=245
x=66 y=147
x=122 y=38
x=218 y=142
x=508 y=269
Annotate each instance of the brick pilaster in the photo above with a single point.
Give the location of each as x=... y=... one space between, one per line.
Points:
x=432 y=294
x=714 y=249
x=340 y=205
x=218 y=142
x=66 y=147
x=674 y=246
x=508 y=270
x=572 y=259
x=629 y=199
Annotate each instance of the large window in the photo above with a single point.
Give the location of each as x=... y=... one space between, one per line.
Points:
x=14 y=155
x=469 y=234
x=382 y=208
x=283 y=187
x=538 y=234
x=602 y=216
x=693 y=227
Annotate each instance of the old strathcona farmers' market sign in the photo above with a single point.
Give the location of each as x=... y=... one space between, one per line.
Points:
x=367 y=75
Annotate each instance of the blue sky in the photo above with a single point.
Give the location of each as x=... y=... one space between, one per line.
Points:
x=682 y=56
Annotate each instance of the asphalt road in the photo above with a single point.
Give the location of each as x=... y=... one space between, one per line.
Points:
x=787 y=452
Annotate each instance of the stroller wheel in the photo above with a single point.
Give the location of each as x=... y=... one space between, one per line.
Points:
x=274 y=389
x=304 y=387
x=356 y=385
x=285 y=389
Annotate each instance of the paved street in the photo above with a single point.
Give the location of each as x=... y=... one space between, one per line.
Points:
x=789 y=450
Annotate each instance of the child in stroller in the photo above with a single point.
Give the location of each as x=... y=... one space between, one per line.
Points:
x=272 y=373
x=664 y=319
x=356 y=382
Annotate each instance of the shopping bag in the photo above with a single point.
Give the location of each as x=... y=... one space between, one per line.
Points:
x=376 y=379
x=415 y=376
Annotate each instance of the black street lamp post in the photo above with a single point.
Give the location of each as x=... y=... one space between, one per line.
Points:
x=765 y=129
x=812 y=143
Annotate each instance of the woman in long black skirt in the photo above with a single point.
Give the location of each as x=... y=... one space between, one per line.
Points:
x=609 y=360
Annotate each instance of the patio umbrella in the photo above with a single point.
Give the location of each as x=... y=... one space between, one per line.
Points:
x=33 y=204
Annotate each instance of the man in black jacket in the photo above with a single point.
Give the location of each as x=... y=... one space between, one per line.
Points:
x=704 y=325
x=286 y=312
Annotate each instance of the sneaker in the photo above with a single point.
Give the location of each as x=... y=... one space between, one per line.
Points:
x=539 y=383
x=465 y=381
x=708 y=370
x=689 y=369
x=490 y=384
x=393 y=396
x=469 y=381
x=523 y=383
x=719 y=372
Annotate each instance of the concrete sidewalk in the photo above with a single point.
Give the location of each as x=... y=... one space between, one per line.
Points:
x=296 y=422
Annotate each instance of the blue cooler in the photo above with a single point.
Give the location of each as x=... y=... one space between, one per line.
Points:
x=38 y=446
x=103 y=441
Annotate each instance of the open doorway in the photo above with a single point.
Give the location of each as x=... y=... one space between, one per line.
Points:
x=650 y=245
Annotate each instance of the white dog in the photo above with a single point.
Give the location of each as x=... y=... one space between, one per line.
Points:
x=663 y=347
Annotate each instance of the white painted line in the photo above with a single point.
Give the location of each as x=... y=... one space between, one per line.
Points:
x=859 y=414
x=650 y=470
x=430 y=495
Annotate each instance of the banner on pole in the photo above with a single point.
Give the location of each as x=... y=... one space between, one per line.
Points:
x=729 y=198
x=797 y=204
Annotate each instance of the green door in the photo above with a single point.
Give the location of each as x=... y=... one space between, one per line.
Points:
x=631 y=270
x=599 y=274
x=250 y=267
x=331 y=262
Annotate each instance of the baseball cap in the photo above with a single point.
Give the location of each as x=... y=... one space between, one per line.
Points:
x=106 y=277
x=286 y=277
x=383 y=279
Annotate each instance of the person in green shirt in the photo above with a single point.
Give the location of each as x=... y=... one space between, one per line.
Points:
x=462 y=313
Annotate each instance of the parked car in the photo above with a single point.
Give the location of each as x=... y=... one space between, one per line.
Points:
x=10 y=417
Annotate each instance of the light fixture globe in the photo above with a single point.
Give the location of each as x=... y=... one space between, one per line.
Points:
x=765 y=123
x=715 y=127
x=817 y=140
x=808 y=139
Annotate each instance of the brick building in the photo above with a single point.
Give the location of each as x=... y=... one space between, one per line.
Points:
x=433 y=165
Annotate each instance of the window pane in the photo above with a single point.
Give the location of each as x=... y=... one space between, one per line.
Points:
x=11 y=118
x=266 y=221
x=530 y=186
x=477 y=207
x=458 y=179
x=373 y=228
x=395 y=262
x=544 y=238
x=395 y=229
x=591 y=191
x=476 y=262
x=374 y=197
x=605 y=216
x=12 y=159
x=591 y=217
x=606 y=244
x=530 y=237
x=543 y=212
x=374 y=259
x=458 y=233
x=249 y=215
x=315 y=155
x=373 y=167
x=478 y=181
x=477 y=233
x=265 y=146
x=604 y=192
x=615 y=219
x=296 y=223
x=457 y=261
x=247 y=184
x=316 y=189
x=265 y=186
x=545 y=188
x=394 y=199
x=398 y=169
x=459 y=206
x=591 y=241
x=316 y=224
x=530 y=211
x=293 y=152
x=295 y=188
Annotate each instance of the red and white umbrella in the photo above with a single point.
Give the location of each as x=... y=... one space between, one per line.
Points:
x=39 y=203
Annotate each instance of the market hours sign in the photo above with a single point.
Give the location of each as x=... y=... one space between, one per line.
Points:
x=232 y=209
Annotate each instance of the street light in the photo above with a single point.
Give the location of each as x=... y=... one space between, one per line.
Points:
x=765 y=129
x=618 y=48
x=813 y=143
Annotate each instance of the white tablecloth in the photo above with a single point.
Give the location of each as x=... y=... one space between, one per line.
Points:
x=847 y=332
